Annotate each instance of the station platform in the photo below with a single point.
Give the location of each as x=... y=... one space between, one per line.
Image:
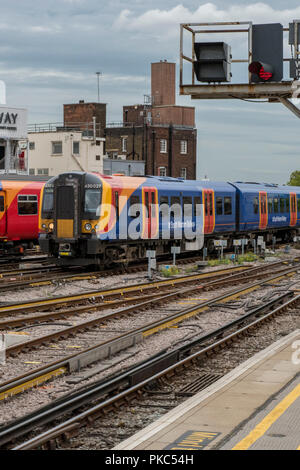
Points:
x=255 y=406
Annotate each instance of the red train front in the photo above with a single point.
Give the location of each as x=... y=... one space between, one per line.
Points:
x=19 y=214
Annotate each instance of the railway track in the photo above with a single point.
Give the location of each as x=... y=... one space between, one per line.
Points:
x=103 y=349
x=97 y=400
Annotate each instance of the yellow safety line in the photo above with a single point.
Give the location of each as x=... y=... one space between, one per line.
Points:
x=267 y=422
x=32 y=383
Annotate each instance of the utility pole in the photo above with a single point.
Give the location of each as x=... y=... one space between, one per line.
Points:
x=98 y=75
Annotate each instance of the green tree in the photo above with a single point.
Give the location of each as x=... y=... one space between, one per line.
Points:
x=294 y=179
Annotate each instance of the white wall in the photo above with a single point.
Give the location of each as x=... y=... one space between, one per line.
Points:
x=41 y=157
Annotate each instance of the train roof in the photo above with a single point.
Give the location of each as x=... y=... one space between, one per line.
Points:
x=252 y=187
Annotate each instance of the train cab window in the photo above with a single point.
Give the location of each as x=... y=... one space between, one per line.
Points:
x=47 y=210
x=197 y=206
x=1 y=203
x=187 y=203
x=275 y=205
x=92 y=201
x=219 y=206
x=227 y=206
x=255 y=205
x=27 y=204
x=270 y=205
x=282 y=204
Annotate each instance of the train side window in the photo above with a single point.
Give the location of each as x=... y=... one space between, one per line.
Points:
x=293 y=204
x=1 y=203
x=175 y=200
x=219 y=206
x=298 y=204
x=27 y=205
x=206 y=204
x=282 y=204
x=227 y=206
x=288 y=204
x=197 y=210
x=164 y=200
x=117 y=204
x=153 y=205
x=210 y=204
x=270 y=205
x=275 y=204
x=133 y=212
x=187 y=206
x=255 y=205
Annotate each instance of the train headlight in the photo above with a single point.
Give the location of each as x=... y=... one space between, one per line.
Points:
x=88 y=227
x=51 y=226
x=44 y=226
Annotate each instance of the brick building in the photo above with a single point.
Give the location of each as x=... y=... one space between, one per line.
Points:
x=158 y=132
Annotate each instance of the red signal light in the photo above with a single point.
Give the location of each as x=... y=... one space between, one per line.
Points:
x=264 y=75
x=263 y=71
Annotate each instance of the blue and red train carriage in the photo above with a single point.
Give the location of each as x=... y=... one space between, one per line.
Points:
x=88 y=218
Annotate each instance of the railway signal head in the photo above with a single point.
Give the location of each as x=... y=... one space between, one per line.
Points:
x=267 y=53
x=213 y=61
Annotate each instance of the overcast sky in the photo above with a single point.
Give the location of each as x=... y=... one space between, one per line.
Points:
x=50 y=51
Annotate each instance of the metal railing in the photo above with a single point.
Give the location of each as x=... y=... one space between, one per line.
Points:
x=88 y=129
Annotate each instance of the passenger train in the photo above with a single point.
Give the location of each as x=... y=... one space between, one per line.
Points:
x=85 y=217
x=19 y=213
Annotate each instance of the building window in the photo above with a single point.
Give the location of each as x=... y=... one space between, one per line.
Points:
x=124 y=144
x=57 y=148
x=98 y=157
x=183 y=147
x=163 y=146
x=32 y=171
x=43 y=171
x=183 y=173
x=27 y=204
x=31 y=145
x=76 y=148
x=162 y=171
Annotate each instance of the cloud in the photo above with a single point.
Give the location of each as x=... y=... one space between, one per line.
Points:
x=166 y=22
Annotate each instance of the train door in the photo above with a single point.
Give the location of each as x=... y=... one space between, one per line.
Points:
x=65 y=212
x=150 y=212
x=209 y=218
x=116 y=204
x=293 y=209
x=263 y=210
x=3 y=215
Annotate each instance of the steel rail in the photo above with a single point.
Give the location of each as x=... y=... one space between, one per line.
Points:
x=65 y=332
x=135 y=379
x=105 y=303
x=45 y=373
x=117 y=291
